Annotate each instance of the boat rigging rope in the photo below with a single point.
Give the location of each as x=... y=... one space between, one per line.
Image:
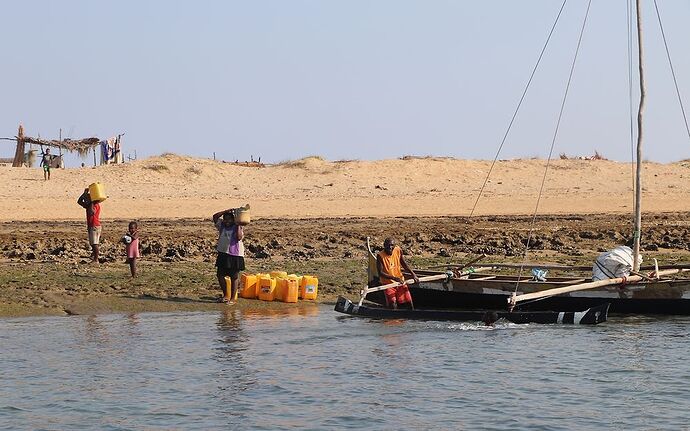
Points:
x=517 y=109
x=673 y=72
x=553 y=144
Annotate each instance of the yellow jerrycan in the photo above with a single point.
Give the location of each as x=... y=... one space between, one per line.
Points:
x=267 y=288
x=249 y=286
x=97 y=192
x=309 y=288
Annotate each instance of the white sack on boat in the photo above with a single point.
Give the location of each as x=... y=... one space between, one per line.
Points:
x=614 y=263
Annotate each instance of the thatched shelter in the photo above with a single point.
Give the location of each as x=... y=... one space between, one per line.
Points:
x=81 y=146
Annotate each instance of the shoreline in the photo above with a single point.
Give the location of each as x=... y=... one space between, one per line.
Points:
x=44 y=269
x=103 y=305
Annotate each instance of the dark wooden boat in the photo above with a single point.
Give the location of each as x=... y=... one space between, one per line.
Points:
x=484 y=290
x=590 y=316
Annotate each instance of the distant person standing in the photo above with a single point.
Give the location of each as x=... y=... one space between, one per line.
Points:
x=93 y=222
x=131 y=241
x=390 y=263
x=45 y=164
x=230 y=248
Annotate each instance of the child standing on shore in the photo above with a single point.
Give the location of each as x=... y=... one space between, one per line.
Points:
x=131 y=240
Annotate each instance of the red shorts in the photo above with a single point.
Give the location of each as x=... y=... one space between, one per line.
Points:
x=398 y=295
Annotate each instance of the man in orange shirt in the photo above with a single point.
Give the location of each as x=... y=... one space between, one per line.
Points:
x=390 y=263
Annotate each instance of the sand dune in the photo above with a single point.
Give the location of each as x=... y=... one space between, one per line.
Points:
x=172 y=186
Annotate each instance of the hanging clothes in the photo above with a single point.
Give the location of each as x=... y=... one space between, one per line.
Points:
x=110 y=151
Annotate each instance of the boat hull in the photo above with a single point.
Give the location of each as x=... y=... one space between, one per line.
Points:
x=589 y=316
x=670 y=297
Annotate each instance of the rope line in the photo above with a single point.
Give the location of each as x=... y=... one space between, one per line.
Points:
x=673 y=72
x=553 y=141
x=517 y=109
x=630 y=100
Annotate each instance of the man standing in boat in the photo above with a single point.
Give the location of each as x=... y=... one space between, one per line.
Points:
x=390 y=263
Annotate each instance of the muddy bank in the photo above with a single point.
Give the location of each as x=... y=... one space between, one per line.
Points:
x=44 y=268
x=300 y=240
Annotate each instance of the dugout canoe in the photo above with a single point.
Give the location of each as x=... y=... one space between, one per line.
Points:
x=590 y=316
x=486 y=290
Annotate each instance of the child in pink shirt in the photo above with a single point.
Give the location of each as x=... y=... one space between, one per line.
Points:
x=131 y=240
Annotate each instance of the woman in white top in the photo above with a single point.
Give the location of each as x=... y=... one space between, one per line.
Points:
x=230 y=260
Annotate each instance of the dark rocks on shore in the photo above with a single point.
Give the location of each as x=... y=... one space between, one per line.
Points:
x=345 y=238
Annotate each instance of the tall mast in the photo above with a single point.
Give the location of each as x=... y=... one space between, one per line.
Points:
x=638 y=173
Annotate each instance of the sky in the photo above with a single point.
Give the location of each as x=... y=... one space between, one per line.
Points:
x=340 y=79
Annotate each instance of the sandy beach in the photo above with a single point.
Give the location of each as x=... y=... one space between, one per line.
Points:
x=312 y=217
x=174 y=186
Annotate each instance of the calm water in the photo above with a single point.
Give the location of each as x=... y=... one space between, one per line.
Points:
x=318 y=370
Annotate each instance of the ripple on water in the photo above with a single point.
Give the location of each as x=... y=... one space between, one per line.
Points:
x=323 y=371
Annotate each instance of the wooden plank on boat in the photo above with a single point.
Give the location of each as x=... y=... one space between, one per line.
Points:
x=514 y=299
x=590 y=316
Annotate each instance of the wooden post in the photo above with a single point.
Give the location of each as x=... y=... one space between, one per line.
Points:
x=19 y=152
x=638 y=174
x=94 y=156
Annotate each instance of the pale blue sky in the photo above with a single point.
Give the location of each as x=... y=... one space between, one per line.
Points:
x=344 y=79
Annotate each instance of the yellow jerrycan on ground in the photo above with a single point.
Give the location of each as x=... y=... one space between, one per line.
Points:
x=309 y=287
x=249 y=286
x=228 y=287
x=267 y=288
x=291 y=293
x=281 y=286
x=97 y=192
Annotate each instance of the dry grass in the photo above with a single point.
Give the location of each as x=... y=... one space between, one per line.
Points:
x=195 y=170
x=301 y=163
x=158 y=168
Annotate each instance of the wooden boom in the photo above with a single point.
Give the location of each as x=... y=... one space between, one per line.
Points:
x=514 y=299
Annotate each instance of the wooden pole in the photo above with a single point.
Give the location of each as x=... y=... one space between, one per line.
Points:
x=448 y=275
x=638 y=173
x=560 y=267
x=19 y=152
x=366 y=290
x=514 y=299
x=460 y=265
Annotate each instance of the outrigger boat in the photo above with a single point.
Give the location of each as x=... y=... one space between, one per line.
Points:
x=590 y=316
x=646 y=290
x=424 y=310
x=482 y=287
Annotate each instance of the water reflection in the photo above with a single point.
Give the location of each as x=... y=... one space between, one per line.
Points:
x=235 y=375
x=303 y=310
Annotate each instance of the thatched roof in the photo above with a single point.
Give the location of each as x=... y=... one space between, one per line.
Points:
x=80 y=145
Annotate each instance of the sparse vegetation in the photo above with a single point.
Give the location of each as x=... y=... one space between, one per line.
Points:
x=596 y=156
x=301 y=163
x=195 y=170
x=158 y=168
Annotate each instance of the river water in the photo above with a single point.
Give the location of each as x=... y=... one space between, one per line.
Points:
x=309 y=368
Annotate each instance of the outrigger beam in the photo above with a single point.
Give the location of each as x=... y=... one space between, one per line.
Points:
x=514 y=299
